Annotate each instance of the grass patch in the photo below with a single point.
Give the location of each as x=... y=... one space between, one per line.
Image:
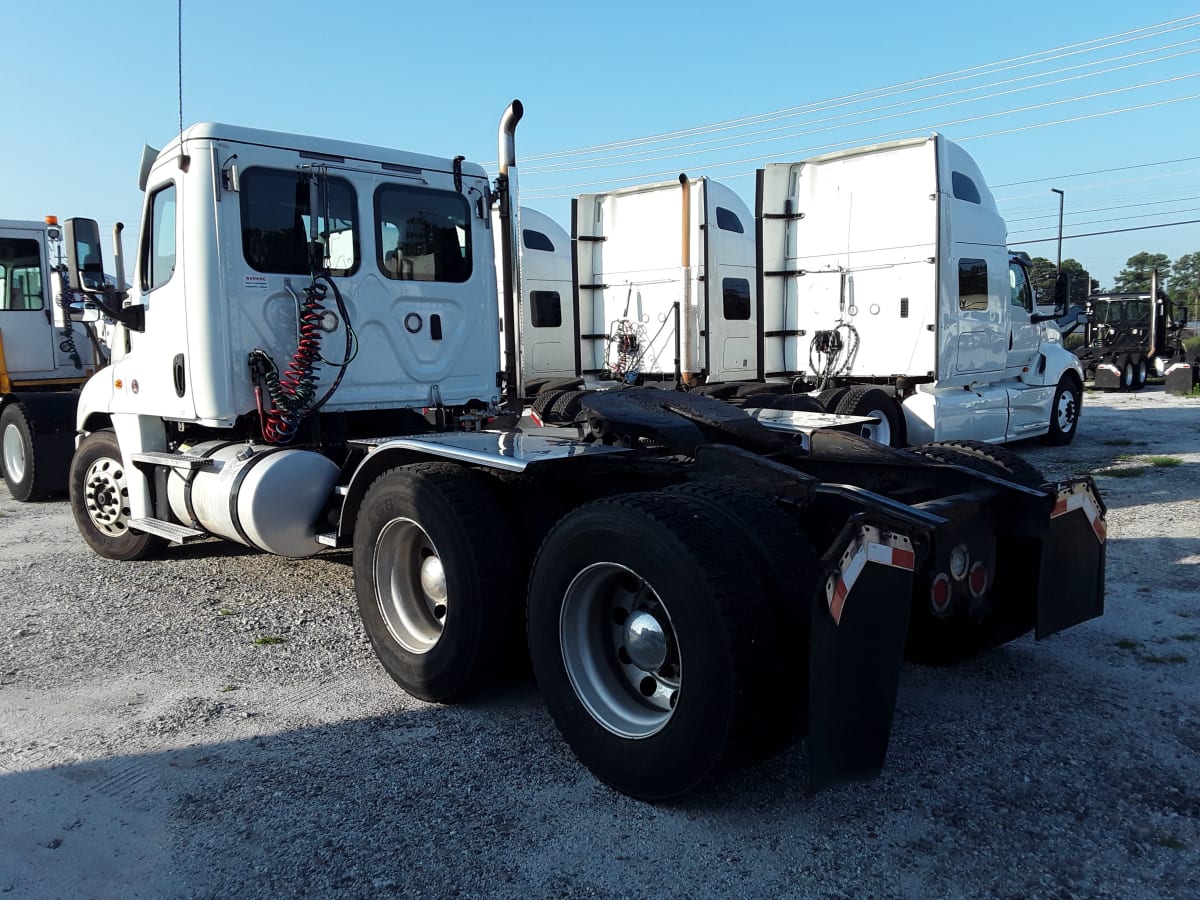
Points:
x=268 y=639
x=1127 y=472
x=1118 y=442
x=230 y=687
x=1127 y=644
x=1171 y=843
x=1164 y=462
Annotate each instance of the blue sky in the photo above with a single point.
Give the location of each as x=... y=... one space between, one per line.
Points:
x=99 y=80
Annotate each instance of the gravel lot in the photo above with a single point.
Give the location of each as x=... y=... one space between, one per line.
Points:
x=214 y=724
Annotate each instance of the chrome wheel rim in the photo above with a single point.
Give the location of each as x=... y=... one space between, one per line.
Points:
x=1066 y=412
x=1127 y=375
x=1143 y=372
x=14 y=453
x=106 y=497
x=620 y=651
x=880 y=432
x=410 y=585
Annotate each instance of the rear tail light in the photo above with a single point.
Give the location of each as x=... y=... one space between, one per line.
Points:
x=939 y=593
x=977 y=580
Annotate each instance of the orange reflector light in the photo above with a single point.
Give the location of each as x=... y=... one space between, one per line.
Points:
x=51 y=220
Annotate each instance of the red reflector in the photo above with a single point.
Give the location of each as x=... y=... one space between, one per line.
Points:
x=939 y=593
x=977 y=579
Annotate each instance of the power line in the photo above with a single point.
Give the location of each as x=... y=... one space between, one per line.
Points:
x=1067 y=237
x=890 y=90
x=1161 y=162
x=1078 y=212
x=1166 y=212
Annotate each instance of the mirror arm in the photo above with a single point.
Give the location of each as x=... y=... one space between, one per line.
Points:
x=133 y=317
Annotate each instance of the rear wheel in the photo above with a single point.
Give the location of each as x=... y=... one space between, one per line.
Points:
x=869 y=401
x=988 y=458
x=1128 y=376
x=652 y=642
x=19 y=444
x=831 y=397
x=100 y=500
x=567 y=406
x=433 y=576
x=1141 y=374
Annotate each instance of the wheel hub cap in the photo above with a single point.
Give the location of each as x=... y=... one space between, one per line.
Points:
x=410 y=585
x=105 y=496
x=645 y=641
x=14 y=453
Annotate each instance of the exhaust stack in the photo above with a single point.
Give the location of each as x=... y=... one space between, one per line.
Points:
x=510 y=230
x=685 y=264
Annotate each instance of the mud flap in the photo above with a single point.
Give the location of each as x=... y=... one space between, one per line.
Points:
x=1071 y=582
x=859 y=625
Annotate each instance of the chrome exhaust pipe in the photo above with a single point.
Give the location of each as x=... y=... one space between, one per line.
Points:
x=510 y=230
x=685 y=266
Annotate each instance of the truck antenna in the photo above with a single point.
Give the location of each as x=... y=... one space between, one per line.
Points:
x=183 y=157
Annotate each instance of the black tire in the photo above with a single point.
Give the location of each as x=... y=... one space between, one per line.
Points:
x=544 y=400
x=99 y=501
x=1128 y=375
x=871 y=401
x=696 y=616
x=433 y=573
x=831 y=397
x=792 y=572
x=797 y=403
x=20 y=458
x=1064 y=412
x=1141 y=374
x=987 y=458
x=566 y=406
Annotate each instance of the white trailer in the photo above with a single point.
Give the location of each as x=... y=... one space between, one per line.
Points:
x=665 y=283
x=44 y=358
x=309 y=357
x=884 y=272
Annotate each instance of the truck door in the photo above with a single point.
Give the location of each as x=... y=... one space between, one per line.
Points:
x=1023 y=335
x=25 y=303
x=157 y=369
x=730 y=321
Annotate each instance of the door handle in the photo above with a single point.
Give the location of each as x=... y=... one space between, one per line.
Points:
x=178 y=376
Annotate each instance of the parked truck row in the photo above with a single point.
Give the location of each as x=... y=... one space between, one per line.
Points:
x=309 y=357
x=873 y=282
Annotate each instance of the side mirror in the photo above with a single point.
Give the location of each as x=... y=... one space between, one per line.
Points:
x=86 y=313
x=1062 y=291
x=85 y=260
x=1081 y=318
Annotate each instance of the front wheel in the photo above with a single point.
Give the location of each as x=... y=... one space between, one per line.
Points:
x=653 y=642
x=433 y=558
x=100 y=500
x=1064 y=412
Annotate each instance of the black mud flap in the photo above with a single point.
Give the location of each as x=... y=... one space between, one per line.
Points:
x=859 y=625
x=1071 y=582
x=1108 y=377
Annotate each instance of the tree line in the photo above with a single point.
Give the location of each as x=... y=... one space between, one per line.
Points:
x=1180 y=279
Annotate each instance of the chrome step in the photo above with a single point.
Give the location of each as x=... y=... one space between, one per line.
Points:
x=178 y=534
x=174 y=460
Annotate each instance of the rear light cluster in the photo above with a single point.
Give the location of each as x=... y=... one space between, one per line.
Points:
x=976 y=576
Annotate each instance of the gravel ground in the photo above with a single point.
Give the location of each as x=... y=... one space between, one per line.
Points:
x=214 y=724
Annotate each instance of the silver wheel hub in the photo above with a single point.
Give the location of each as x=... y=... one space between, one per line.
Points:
x=14 y=453
x=620 y=651
x=106 y=497
x=1066 y=412
x=410 y=585
x=880 y=432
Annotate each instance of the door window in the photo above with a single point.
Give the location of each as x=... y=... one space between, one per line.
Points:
x=1022 y=294
x=277 y=222
x=20 y=274
x=422 y=234
x=972 y=285
x=158 y=245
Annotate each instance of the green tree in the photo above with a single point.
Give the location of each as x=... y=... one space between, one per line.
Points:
x=1185 y=283
x=1136 y=274
x=1082 y=282
x=1041 y=279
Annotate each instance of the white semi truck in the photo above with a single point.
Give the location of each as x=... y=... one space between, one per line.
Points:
x=44 y=358
x=309 y=358
x=877 y=279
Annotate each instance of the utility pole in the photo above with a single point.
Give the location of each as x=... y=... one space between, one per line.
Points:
x=1058 y=265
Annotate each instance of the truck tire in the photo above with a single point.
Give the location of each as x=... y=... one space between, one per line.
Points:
x=831 y=397
x=433 y=574
x=1141 y=374
x=797 y=403
x=652 y=642
x=1064 y=412
x=20 y=455
x=792 y=572
x=871 y=401
x=566 y=407
x=544 y=400
x=1128 y=375
x=99 y=501
x=987 y=458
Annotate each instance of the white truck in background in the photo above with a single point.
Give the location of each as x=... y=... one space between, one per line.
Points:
x=884 y=271
x=44 y=358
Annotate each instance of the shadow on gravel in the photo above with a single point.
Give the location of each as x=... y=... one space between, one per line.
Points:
x=488 y=800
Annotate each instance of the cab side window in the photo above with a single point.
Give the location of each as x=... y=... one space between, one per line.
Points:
x=972 y=285
x=277 y=222
x=158 y=244
x=422 y=234
x=1022 y=293
x=20 y=274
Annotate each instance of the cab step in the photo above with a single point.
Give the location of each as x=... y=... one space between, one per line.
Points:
x=178 y=534
x=174 y=460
